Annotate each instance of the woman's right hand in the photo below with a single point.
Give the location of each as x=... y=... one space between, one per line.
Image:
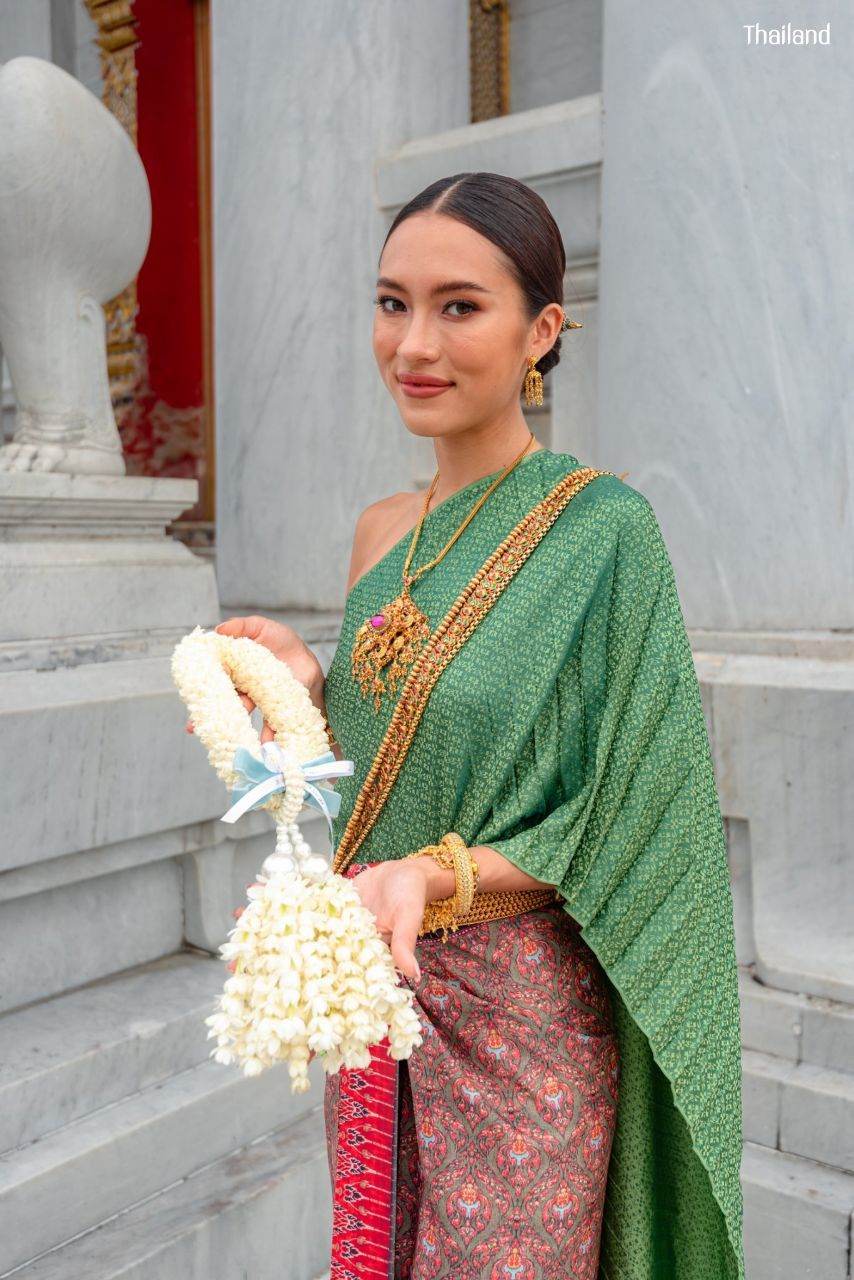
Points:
x=396 y=893
x=286 y=644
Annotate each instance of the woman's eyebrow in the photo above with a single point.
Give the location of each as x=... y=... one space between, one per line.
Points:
x=450 y=286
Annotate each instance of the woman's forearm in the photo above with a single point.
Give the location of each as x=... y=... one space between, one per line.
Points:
x=497 y=874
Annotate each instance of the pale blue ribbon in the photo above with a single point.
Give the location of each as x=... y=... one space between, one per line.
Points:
x=264 y=777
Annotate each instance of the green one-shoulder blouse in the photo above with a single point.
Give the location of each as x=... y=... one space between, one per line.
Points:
x=568 y=734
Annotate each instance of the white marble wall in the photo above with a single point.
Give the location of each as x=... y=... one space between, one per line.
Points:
x=305 y=97
x=24 y=28
x=60 y=30
x=555 y=51
x=725 y=304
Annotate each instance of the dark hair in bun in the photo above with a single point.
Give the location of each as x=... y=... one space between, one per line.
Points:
x=514 y=218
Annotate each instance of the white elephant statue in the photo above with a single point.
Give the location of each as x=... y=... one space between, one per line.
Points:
x=75 y=222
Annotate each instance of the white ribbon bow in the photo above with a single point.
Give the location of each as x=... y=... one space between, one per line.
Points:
x=265 y=776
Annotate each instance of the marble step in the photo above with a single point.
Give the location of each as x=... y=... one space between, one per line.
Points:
x=800 y=1028
x=797 y=1217
x=67 y=1056
x=95 y=1166
x=799 y=1108
x=263 y=1213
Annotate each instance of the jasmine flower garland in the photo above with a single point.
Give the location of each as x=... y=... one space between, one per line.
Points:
x=310 y=972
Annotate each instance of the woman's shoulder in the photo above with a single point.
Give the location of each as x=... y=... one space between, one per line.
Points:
x=609 y=494
x=615 y=523
x=378 y=527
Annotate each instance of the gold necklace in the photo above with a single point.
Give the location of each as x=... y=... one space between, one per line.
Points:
x=387 y=643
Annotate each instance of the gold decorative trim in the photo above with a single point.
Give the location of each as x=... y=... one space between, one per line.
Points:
x=470 y=607
x=117 y=39
x=489 y=59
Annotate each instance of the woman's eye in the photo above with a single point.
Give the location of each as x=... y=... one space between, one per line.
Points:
x=378 y=302
x=461 y=302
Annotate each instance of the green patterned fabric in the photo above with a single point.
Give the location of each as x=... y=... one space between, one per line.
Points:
x=568 y=734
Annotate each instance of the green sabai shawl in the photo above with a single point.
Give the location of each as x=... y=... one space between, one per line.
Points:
x=568 y=734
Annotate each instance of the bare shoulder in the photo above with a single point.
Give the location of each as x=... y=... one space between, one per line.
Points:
x=385 y=507
x=377 y=529
x=380 y=514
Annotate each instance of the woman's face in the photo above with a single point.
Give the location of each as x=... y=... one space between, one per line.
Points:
x=474 y=337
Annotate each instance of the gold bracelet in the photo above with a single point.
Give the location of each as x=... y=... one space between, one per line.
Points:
x=451 y=853
x=463 y=874
x=442 y=913
x=437 y=912
x=461 y=851
x=488 y=905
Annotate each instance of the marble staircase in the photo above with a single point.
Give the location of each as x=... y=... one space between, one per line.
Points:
x=127 y=1151
x=798 y=1163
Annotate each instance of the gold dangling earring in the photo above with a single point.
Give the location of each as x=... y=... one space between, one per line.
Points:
x=533 y=383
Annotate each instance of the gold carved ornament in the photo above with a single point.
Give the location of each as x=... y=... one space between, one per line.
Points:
x=117 y=39
x=489 y=58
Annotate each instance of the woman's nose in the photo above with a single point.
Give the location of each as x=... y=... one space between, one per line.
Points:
x=419 y=342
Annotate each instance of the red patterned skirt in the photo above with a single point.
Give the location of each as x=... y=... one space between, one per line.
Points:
x=484 y=1156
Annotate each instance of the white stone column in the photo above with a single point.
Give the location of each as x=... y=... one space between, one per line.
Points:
x=305 y=97
x=724 y=391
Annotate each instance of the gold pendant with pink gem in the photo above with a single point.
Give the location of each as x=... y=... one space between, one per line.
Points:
x=387 y=644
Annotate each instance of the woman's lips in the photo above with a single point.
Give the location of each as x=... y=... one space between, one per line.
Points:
x=421 y=391
x=422 y=386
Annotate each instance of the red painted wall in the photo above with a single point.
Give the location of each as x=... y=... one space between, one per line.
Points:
x=164 y=434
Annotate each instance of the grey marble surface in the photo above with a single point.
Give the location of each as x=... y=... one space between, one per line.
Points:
x=725 y=320
x=307 y=435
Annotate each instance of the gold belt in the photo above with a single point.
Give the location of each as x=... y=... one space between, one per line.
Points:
x=503 y=903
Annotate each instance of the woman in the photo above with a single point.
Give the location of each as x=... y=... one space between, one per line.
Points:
x=574 y=1108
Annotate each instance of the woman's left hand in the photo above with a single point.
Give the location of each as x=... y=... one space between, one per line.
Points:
x=396 y=893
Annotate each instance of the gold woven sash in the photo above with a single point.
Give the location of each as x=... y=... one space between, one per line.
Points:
x=470 y=607
x=506 y=902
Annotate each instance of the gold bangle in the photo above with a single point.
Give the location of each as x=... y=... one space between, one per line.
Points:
x=451 y=853
x=463 y=874
x=458 y=846
x=443 y=855
x=437 y=914
x=440 y=914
